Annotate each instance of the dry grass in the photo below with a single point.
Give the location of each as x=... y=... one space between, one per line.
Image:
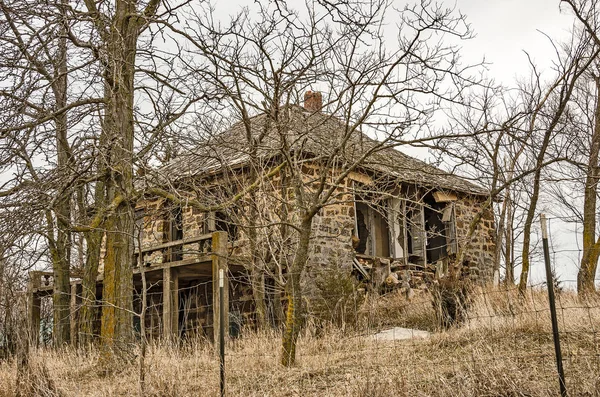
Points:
x=504 y=349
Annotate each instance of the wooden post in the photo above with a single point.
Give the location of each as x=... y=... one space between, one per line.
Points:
x=33 y=307
x=219 y=261
x=73 y=314
x=170 y=303
x=552 y=302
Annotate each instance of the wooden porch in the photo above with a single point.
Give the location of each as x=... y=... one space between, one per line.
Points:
x=181 y=261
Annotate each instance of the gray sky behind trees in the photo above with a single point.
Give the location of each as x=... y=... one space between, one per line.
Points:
x=505 y=28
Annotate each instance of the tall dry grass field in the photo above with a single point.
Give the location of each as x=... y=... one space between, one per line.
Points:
x=503 y=348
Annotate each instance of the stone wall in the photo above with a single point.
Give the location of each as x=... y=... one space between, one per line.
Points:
x=154 y=224
x=332 y=228
x=478 y=249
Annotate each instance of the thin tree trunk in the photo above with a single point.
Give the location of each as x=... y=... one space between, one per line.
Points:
x=61 y=256
x=500 y=234
x=257 y=274
x=591 y=249
x=90 y=274
x=293 y=290
x=258 y=292
x=508 y=249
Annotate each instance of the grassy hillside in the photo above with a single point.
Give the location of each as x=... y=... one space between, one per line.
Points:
x=504 y=348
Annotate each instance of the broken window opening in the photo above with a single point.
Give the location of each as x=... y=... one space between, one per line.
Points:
x=416 y=238
x=224 y=223
x=436 y=231
x=139 y=228
x=440 y=225
x=173 y=231
x=219 y=221
x=372 y=230
x=418 y=230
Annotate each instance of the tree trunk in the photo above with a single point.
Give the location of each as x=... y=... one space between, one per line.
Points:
x=117 y=294
x=591 y=249
x=257 y=273
x=293 y=290
x=500 y=234
x=61 y=255
x=90 y=274
x=533 y=203
x=258 y=293
x=508 y=239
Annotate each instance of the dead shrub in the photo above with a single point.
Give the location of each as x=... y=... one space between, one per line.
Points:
x=35 y=380
x=394 y=309
x=451 y=301
x=335 y=299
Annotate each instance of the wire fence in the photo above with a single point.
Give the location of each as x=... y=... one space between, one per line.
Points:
x=417 y=337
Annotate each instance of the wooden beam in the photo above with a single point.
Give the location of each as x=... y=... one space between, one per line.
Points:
x=444 y=197
x=170 y=303
x=33 y=307
x=174 y=243
x=73 y=314
x=219 y=261
x=185 y=262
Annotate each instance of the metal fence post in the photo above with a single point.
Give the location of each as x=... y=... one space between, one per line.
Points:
x=551 y=299
x=222 y=330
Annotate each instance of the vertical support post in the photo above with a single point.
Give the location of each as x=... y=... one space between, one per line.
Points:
x=551 y=299
x=222 y=330
x=73 y=314
x=219 y=261
x=170 y=303
x=33 y=307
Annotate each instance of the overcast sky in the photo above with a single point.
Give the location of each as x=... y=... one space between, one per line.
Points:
x=505 y=28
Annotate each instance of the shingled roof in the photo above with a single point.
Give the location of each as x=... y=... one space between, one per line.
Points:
x=316 y=134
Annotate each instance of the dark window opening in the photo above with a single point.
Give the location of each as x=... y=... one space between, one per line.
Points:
x=372 y=231
x=223 y=223
x=415 y=232
x=362 y=230
x=440 y=227
x=436 y=232
x=220 y=221
x=173 y=231
x=138 y=234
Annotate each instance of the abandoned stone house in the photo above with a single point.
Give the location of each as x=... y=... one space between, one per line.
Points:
x=391 y=215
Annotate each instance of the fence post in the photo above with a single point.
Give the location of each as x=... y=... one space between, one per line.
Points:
x=219 y=261
x=551 y=299
x=222 y=330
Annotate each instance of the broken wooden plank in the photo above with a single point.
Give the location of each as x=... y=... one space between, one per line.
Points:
x=360 y=269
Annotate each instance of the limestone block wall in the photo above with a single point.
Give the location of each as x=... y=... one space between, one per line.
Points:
x=332 y=236
x=480 y=248
x=332 y=228
x=153 y=228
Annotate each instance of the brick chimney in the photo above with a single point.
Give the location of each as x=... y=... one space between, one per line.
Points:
x=313 y=101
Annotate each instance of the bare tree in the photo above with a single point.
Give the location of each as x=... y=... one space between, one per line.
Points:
x=260 y=68
x=35 y=68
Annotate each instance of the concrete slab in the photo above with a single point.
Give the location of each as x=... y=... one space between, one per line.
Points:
x=399 y=333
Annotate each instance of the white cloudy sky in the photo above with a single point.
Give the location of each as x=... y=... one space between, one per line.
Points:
x=506 y=28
